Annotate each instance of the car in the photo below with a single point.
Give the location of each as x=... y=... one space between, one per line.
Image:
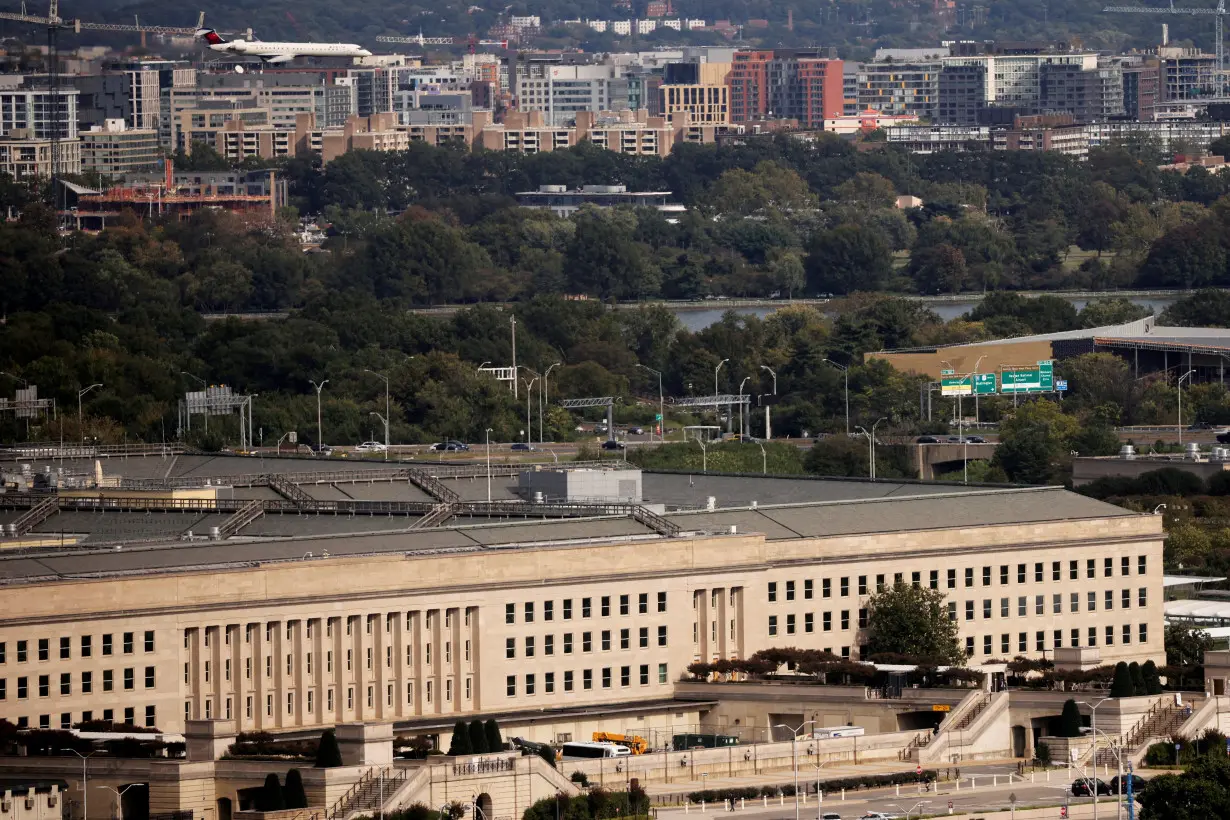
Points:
x=976 y=439
x=927 y=440
x=459 y=445
x=1138 y=783
x=1223 y=438
x=830 y=815
x=321 y=450
x=878 y=815
x=636 y=431
x=1086 y=786
x=955 y=439
x=370 y=447
x=449 y=446
x=611 y=444
x=521 y=445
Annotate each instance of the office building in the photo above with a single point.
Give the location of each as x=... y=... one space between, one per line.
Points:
x=561 y=92
x=962 y=94
x=700 y=89
x=790 y=84
x=27 y=157
x=1088 y=94
x=114 y=150
x=102 y=97
x=1186 y=74
x=30 y=110
x=1141 y=88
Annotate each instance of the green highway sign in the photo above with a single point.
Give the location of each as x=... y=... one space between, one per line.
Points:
x=983 y=385
x=1040 y=379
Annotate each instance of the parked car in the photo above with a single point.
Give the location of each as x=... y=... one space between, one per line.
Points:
x=1086 y=786
x=521 y=445
x=955 y=439
x=1120 y=782
x=1223 y=438
x=976 y=439
x=927 y=440
x=611 y=444
x=371 y=447
x=830 y=815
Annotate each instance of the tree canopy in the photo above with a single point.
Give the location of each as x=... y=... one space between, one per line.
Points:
x=912 y=620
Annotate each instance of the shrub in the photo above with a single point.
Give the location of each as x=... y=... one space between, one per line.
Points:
x=1138 y=679
x=848 y=783
x=478 y=737
x=1160 y=754
x=495 y=743
x=328 y=753
x=270 y=798
x=1153 y=681
x=580 y=778
x=1121 y=686
x=1070 y=722
x=460 y=744
x=1042 y=754
x=293 y=793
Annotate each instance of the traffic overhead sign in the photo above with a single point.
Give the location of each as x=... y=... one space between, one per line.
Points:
x=1040 y=379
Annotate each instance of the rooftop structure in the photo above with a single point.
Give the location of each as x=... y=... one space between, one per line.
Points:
x=564 y=202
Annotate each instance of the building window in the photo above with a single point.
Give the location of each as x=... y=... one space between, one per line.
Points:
x=529 y=612
x=44 y=649
x=772 y=625
x=1020 y=573
x=845 y=587
x=529 y=684
x=642 y=603
x=548 y=610
x=790 y=590
x=149 y=640
x=510 y=686
x=808 y=589
x=129 y=678
x=548 y=683
x=661 y=673
x=1093 y=600
x=809 y=622
x=661 y=602
x=862 y=585
x=567 y=609
x=529 y=647
x=605 y=603
x=606 y=677
x=149 y=677
x=128 y=643
x=625 y=676
x=1141 y=565
x=790 y=624
x=66 y=647
x=86 y=648
x=969 y=610
x=986 y=607
x=1143 y=633
x=66 y=683
x=773 y=592
x=625 y=638
x=952 y=579
x=585 y=607
x=587 y=679
x=510 y=613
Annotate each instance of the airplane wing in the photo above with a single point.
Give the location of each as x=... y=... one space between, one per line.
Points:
x=278 y=58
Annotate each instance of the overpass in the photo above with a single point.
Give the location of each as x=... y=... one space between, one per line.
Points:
x=925 y=458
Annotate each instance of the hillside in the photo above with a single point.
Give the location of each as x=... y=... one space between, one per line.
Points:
x=855 y=26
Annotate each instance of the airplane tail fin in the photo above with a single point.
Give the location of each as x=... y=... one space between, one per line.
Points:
x=210 y=36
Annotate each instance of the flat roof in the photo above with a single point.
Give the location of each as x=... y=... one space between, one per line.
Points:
x=303 y=536
x=1188 y=580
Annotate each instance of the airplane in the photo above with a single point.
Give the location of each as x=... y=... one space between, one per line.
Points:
x=274 y=53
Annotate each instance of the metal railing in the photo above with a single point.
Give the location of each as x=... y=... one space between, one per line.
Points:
x=242 y=517
x=34 y=516
x=55 y=450
x=288 y=489
x=432 y=486
x=438 y=515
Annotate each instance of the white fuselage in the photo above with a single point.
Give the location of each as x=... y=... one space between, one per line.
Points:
x=291 y=50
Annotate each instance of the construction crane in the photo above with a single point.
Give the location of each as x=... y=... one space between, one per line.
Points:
x=1219 y=45
x=53 y=17
x=420 y=40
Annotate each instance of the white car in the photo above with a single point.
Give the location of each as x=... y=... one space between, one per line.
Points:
x=878 y=815
x=370 y=447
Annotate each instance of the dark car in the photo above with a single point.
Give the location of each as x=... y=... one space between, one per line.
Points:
x=1121 y=782
x=612 y=445
x=955 y=439
x=1086 y=786
x=521 y=445
x=976 y=439
x=1223 y=438
x=927 y=440
x=449 y=447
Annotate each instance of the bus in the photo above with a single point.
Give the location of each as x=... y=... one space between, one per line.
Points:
x=583 y=749
x=825 y=733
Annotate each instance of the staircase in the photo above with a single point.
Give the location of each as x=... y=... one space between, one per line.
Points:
x=370 y=792
x=971 y=714
x=241 y=518
x=438 y=515
x=289 y=490
x=34 y=516
x=960 y=728
x=1161 y=721
x=911 y=750
x=654 y=521
x=432 y=486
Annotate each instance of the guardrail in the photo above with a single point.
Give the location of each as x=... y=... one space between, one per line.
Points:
x=56 y=451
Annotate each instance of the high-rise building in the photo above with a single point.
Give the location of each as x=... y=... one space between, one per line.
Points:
x=1141 y=88
x=786 y=84
x=1089 y=95
x=901 y=88
x=102 y=97
x=115 y=150
x=30 y=110
x=1187 y=74
x=962 y=94
x=701 y=89
x=562 y=91
x=749 y=86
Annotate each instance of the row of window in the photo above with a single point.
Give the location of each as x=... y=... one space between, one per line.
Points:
x=310 y=627
x=85 y=683
x=587 y=642
x=788 y=589
x=1057 y=638
x=310 y=699
x=1039 y=604
x=107 y=647
x=566 y=609
x=207 y=666
x=66 y=718
x=606 y=674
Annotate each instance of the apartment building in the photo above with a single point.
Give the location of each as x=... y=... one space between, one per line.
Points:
x=793 y=84
x=700 y=89
x=26 y=157
x=901 y=82
x=398 y=626
x=31 y=110
x=114 y=150
x=561 y=92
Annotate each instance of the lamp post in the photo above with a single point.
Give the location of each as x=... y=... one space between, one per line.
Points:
x=704 y=454
x=529 y=388
x=764 y=459
x=85 y=787
x=386 y=409
x=768 y=423
x=1180 y=389
x=545 y=398
x=204 y=386
x=846 y=373
x=320 y=436
x=661 y=403
x=488 y=465
x=715 y=376
x=742 y=425
x=119 y=796
x=481 y=366
x=80 y=393
x=794 y=757
x=1093 y=722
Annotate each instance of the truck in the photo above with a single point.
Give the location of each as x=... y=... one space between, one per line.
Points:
x=691 y=740
x=634 y=743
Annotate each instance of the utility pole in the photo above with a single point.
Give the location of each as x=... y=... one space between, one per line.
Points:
x=513 y=321
x=661 y=403
x=768 y=424
x=320 y=438
x=845 y=371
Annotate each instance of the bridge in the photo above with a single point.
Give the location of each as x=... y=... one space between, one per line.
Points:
x=948 y=456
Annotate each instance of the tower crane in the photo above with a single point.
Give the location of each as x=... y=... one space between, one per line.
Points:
x=53 y=17
x=1219 y=45
x=419 y=39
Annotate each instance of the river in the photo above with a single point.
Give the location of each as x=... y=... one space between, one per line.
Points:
x=695 y=319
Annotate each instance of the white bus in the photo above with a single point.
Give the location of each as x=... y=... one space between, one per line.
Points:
x=586 y=749
x=824 y=733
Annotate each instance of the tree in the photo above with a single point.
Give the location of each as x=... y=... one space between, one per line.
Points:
x=1034 y=443
x=1203 y=790
x=939 y=269
x=1190 y=256
x=460 y=744
x=1070 y=722
x=910 y=620
x=293 y=793
x=847 y=258
x=1138 y=679
x=478 y=738
x=1153 y=681
x=1205 y=308
x=1186 y=645
x=495 y=743
x=328 y=753
x=271 y=794
x=1121 y=686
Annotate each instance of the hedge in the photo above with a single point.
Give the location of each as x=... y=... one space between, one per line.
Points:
x=849 y=784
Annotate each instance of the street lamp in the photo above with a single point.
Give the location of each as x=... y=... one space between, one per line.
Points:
x=481 y=366
x=545 y=399
x=742 y=425
x=1093 y=723
x=386 y=409
x=24 y=384
x=1180 y=390
x=488 y=465
x=85 y=774
x=320 y=437
x=715 y=376
x=661 y=402
x=204 y=386
x=873 y=447
x=764 y=459
x=119 y=796
x=768 y=424
x=704 y=454
x=529 y=392
x=911 y=810
x=794 y=758
x=80 y=393
x=845 y=372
